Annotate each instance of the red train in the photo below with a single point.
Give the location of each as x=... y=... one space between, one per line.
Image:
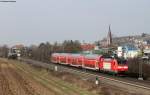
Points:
x=91 y=61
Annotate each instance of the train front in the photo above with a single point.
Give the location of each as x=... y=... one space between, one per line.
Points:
x=122 y=65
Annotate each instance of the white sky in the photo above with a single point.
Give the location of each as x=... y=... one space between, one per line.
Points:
x=35 y=21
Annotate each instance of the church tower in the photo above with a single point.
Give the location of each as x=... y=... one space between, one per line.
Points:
x=109 y=37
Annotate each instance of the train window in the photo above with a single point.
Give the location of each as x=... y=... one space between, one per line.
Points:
x=107 y=59
x=121 y=61
x=107 y=56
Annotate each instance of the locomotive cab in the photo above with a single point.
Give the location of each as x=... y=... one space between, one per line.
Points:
x=122 y=65
x=113 y=64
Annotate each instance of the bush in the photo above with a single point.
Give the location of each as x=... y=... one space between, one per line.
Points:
x=133 y=65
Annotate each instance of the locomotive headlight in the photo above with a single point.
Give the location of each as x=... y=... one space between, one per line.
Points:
x=18 y=55
x=125 y=67
x=119 y=67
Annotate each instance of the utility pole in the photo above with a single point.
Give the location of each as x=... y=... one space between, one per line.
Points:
x=140 y=71
x=141 y=68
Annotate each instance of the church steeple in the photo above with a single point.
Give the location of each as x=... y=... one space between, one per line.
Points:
x=109 y=37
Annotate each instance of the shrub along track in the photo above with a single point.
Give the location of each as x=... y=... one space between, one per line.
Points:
x=21 y=79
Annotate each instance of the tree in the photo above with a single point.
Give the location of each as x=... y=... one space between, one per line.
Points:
x=4 y=51
x=43 y=51
x=70 y=46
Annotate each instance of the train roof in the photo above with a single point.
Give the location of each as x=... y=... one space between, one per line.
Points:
x=61 y=54
x=76 y=55
x=55 y=53
x=92 y=56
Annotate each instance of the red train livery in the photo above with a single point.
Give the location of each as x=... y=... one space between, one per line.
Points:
x=91 y=61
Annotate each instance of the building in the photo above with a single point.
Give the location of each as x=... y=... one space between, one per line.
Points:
x=19 y=46
x=16 y=49
x=87 y=47
x=128 y=51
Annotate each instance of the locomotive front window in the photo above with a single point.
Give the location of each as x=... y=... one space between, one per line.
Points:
x=121 y=61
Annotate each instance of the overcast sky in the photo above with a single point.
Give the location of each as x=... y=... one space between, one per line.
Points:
x=35 y=21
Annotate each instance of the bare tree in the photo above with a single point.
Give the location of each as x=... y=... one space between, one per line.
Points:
x=4 y=51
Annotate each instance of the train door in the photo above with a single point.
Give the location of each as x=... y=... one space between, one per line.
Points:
x=114 y=65
x=83 y=59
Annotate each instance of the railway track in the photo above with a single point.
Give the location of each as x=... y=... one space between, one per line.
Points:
x=124 y=83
